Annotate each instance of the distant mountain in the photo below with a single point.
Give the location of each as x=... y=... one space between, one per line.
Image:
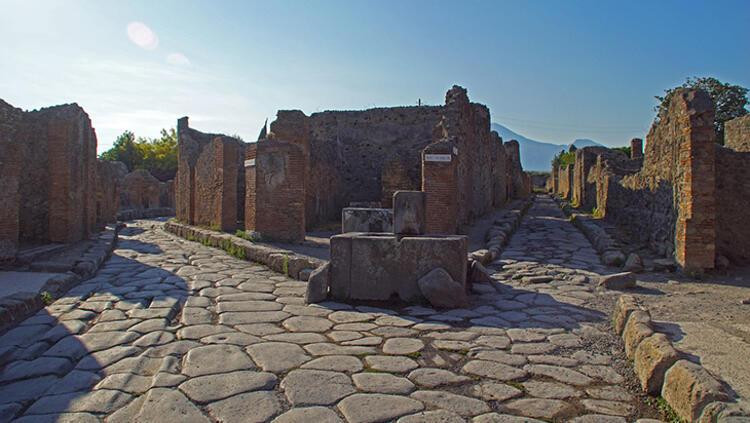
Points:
x=537 y=155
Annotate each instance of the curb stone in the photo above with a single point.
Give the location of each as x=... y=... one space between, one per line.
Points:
x=692 y=392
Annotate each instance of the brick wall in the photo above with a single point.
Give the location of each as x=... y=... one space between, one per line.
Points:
x=396 y=176
x=737 y=134
x=440 y=183
x=209 y=179
x=10 y=173
x=108 y=185
x=583 y=192
x=732 y=196
x=140 y=190
x=275 y=190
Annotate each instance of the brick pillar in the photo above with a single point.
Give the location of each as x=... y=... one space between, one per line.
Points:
x=10 y=173
x=226 y=151
x=62 y=226
x=440 y=185
x=275 y=190
x=636 y=148
x=695 y=232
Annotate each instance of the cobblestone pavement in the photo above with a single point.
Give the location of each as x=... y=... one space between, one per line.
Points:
x=170 y=330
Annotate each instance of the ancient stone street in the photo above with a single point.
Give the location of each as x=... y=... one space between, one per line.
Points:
x=170 y=330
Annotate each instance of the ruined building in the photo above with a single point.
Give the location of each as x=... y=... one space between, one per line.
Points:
x=310 y=167
x=48 y=177
x=686 y=197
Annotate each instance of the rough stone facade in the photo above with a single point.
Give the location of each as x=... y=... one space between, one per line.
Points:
x=733 y=191
x=210 y=178
x=108 y=188
x=668 y=198
x=48 y=173
x=365 y=156
x=140 y=191
x=275 y=190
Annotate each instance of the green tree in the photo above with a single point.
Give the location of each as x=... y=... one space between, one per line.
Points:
x=729 y=100
x=157 y=155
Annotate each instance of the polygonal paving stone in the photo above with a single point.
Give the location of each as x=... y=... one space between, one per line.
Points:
x=551 y=390
x=211 y=359
x=560 y=374
x=493 y=370
x=499 y=356
x=159 y=403
x=250 y=407
x=615 y=408
x=604 y=373
x=432 y=378
x=245 y=317
x=612 y=393
x=315 y=387
x=74 y=381
x=350 y=317
x=435 y=416
x=402 y=346
x=308 y=414
x=391 y=364
x=399 y=321
x=307 y=324
x=503 y=418
x=382 y=383
x=277 y=357
x=601 y=418
x=25 y=389
x=494 y=391
x=234 y=338
x=37 y=367
x=371 y=408
x=248 y=306
x=201 y=331
x=99 y=401
x=458 y=404
x=260 y=329
x=126 y=382
x=366 y=341
x=297 y=337
x=538 y=408
x=154 y=338
x=336 y=363
x=58 y=418
x=325 y=348
x=216 y=387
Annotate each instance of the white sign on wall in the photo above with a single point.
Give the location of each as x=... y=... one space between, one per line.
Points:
x=455 y=151
x=437 y=157
x=249 y=163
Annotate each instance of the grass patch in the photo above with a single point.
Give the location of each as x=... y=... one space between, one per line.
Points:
x=46 y=298
x=598 y=214
x=665 y=410
x=285 y=265
x=250 y=236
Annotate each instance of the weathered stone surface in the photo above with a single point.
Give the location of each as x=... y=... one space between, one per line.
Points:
x=316 y=387
x=409 y=212
x=215 y=387
x=203 y=360
x=688 y=387
x=492 y=391
x=636 y=330
x=634 y=263
x=653 y=357
x=371 y=408
x=277 y=356
x=441 y=290
x=432 y=378
x=256 y=407
x=382 y=383
x=308 y=414
x=402 y=346
x=317 y=284
x=336 y=363
x=493 y=370
x=100 y=401
x=361 y=219
x=390 y=364
x=458 y=404
x=539 y=408
x=619 y=281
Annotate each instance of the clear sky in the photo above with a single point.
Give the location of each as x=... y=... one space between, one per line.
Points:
x=551 y=70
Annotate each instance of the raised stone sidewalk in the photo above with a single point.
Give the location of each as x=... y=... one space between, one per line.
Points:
x=171 y=330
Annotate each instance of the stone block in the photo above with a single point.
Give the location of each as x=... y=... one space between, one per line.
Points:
x=688 y=387
x=409 y=212
x=360 y=219
x=624 y=280
x=317 y=284
x=653 y=357
x=441 y=290
x=371 y=266
x=636 y=330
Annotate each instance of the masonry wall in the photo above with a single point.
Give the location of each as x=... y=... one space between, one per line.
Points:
x=108 y=187
x=10 y=173
x=365 y=156
x=275 y=190
x=440 y=183
x=210 y=178
x=583 y=192
x=140 y=191
x=671 y=202
x=733 y=191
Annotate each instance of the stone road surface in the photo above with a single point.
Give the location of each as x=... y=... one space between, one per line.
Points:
x=170 y=330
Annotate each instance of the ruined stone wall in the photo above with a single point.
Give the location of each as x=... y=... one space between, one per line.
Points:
x=210 y=176
x=440 y=183
x=108 y=188
x=166 y=194
x=499 y=171
x=671 y=201
x=140 y=191
x=583 y=192
x=514 y=172
x=539 y=180
x=275 y=190
x=57 y=194
x=365 y=156
x=733 y=191
x=565 y=181
x=10 y=173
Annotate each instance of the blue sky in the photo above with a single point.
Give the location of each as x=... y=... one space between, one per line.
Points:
x=551 y=70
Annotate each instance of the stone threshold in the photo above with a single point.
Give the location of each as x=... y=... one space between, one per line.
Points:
x=20 y=305
x=294 y=265
x=693 y=393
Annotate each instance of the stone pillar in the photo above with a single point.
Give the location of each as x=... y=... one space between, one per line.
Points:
x=440 y=185
x=636 y=148
x=275 y=190
x=408 y=213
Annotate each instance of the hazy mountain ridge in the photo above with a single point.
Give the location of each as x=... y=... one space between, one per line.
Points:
x=537 y=155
